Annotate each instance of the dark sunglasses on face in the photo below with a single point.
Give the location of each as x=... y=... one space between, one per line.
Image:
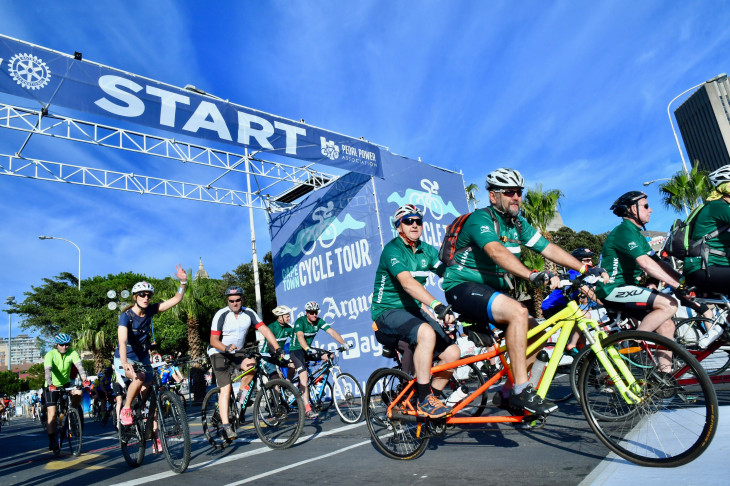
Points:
x=313 y=312
x=234 y=301
x=645 y=206
x=511 y=192
x=65 y=345
x=145 y=294
x=410 y=221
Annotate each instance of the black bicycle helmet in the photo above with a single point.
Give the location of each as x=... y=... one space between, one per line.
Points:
x=234 y=290
x=620 y=206
x=581 y=253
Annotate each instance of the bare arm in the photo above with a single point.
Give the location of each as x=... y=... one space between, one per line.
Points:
x=418 y=292
x=336 y=336
x=178 y=297
x=215 y=341
x=302 y=341
x=658 y=270
x=561 y=257
x=505 y=259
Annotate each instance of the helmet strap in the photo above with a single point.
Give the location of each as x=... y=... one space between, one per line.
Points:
x=411 y=244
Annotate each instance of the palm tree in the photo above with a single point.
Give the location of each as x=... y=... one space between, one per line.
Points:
x=471 y=197
x=192 y=309
x=539 y=208
x=684 y=192
x=93 y=338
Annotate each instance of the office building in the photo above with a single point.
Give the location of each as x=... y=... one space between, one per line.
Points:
x=704 y=122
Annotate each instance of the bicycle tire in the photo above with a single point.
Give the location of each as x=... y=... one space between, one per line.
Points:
x=182 y=399
x=211 y=419
x=348 y=398
x=277 y=424
x=395 y=438
x=132 y=443
x=173 y=423
x=74 y=434
x=688 y=332
x=472 y=379
x=672 y=425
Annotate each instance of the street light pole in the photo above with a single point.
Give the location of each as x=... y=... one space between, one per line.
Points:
x=9 y=301
x=68 y=241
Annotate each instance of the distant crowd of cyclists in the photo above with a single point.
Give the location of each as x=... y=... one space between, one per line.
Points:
x=478 y=284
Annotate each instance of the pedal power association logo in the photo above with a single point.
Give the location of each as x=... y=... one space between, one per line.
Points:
x=335 y=260
x=29 y=71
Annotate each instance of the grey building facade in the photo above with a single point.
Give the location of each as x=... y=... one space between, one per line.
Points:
x=704 y=122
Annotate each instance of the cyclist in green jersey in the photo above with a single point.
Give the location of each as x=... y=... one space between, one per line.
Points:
x=283 y=331
x=487 y=260
x=627 y=256
x=57 y=365
x=713 y=275
x=398 y=308
x=305 y=329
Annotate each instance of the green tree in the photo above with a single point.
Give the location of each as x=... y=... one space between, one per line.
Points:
x=685 y=191
x=36 y=376
x=471 y=195
x=539 y=208
x=9 y=383
x=95 y=338
x=569 y=240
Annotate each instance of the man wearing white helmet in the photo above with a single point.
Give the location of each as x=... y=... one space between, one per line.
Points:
x=398 y=295
x=283 y=331
x=305 y=329
x=487 y=260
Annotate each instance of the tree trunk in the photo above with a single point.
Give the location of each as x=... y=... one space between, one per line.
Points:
x=98 y=360
x=198 y=384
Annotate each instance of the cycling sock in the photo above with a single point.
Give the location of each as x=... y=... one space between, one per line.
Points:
x=518 y=388
x=423 y=391
x=436 y=391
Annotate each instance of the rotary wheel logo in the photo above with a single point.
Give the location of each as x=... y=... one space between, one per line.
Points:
x=29 y=71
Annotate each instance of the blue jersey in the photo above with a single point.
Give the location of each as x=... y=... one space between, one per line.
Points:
x=556 y=299
x=139 y=332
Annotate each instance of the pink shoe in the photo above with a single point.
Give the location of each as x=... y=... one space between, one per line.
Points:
x=125 y=416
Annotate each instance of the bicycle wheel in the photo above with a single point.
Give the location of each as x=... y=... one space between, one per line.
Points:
x=132 y=443
x=672 y=424
x=211 y=419
x=277 y=424
x=469 y=376
x=688 y=333
x=175 y=437
x=182 y=399
x=397 y=439
x=575 y=368
x=73 y=431
x=348 y=398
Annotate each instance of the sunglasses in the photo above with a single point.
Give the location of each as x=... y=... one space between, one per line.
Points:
x=65 y=345
x=145 y=294
x=410 y=221
x=234 y=301
x=313 y=312
x=587 y=260
x=511 y=192
x=645 y=206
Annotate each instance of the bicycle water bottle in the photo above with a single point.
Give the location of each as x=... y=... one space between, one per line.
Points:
x=710 y=336
x=538 y=368
x=318 y=384
x=458 y=395
x=244 y=393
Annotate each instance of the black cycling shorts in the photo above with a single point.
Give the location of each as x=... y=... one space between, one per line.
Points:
x=715 y=279
x=52 y=396
x=473 y=302
x=404 y=324
x=299 y=358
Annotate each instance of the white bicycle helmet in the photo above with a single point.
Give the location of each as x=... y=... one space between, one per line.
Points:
x=142 y=287
x=720 y=176
x=505 y=178
x=311 y=306
x=281 y=310
x=404 y=212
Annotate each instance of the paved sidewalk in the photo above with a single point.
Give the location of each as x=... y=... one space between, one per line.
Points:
x=709 y=469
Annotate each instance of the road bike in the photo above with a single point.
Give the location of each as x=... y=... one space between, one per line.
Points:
x=68 y=422
x=344 y=390
x=637 y=410
x=161 y=416
x=278 y=424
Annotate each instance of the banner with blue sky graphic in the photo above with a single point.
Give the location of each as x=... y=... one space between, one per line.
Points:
x=55 y=79
x=328 y=248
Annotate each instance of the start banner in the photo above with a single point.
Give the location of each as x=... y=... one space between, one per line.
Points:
x=57 y=79
x=328 y=247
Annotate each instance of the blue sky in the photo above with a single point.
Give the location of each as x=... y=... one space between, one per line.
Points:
x=573 y=94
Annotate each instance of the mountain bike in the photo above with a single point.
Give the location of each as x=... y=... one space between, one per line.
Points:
x=68 y=422
x=346 y=393
x=637 y=410
x=715 y=358
x=161 y=416
x=278 y=424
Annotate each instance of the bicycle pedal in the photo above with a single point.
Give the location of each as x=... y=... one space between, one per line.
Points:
x=534 y=421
